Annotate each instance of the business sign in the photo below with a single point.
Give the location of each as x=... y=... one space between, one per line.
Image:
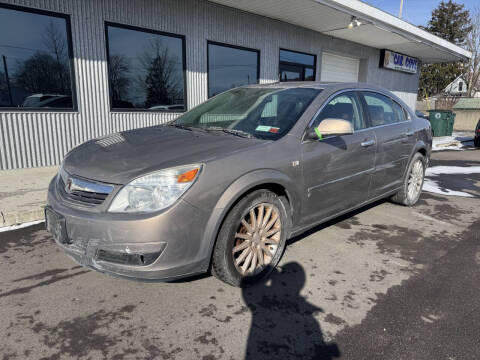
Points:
x=400 y=62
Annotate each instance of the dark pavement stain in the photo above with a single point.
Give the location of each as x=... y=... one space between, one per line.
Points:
x=79 y=336
x=54 y=279
x=206 y=339
x=48 y=273
x=410 y=243
x=21 y=240
x=155 y=352
x=208 y=311
x=378 y=275
x=447 y=287
x=348 y=223
x=334 y=319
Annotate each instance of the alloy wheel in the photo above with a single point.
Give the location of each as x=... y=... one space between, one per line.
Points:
x=257 y=239
x=415 y=181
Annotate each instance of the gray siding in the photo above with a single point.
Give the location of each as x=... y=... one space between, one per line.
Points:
x=30 y=139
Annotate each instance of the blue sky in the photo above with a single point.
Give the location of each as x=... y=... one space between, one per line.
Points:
x=417 y=12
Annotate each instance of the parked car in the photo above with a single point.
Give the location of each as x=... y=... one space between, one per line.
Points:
x=227 y=183
x=476 y=139
x=48 y=101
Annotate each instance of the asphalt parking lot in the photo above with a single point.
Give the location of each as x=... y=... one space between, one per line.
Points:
x=386 y=282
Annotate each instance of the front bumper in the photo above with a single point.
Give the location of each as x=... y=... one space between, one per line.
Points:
x=164 y=246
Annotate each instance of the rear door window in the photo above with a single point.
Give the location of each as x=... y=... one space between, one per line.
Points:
x=381 y=109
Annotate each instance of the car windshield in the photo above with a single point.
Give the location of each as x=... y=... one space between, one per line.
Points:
x=266 y=113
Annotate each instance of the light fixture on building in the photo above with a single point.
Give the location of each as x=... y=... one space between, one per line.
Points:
x=354 y=22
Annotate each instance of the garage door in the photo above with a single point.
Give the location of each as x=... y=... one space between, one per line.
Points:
x=339 y=68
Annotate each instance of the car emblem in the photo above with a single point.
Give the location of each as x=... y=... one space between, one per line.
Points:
x=68 y=185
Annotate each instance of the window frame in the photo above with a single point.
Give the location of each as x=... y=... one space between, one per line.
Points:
x=149 y=31
x=361 y=108
x=73 y=86
x=367 y=112
x=314 y=67
x=237 y=47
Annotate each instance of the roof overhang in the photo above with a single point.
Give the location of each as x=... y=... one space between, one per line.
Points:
x=379 y=29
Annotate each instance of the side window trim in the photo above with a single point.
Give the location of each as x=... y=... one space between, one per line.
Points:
x=366 y=113
x=355 y=94
x=362 y=91
x=325 y=103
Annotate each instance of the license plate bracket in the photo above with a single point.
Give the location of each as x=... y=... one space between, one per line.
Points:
x=56 y=225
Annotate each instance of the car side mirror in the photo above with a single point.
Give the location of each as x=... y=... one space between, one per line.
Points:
x=330 y=127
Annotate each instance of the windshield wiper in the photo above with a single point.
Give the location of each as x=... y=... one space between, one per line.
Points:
x=236 y=132
x=181 y=127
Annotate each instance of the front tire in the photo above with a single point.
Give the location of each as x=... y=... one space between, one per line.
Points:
x=413 y=182
x=252 y=239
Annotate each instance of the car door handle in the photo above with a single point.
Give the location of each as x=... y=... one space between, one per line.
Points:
x=368 y=143
x=409 y=133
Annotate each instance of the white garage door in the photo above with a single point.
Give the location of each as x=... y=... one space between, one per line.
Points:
x=339 y=68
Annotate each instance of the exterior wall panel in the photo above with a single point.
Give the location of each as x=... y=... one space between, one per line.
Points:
x=30 y=139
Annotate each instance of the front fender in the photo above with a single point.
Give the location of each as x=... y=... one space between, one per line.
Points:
x=234 y=192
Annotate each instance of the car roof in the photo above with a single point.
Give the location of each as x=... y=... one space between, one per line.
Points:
x=318 y=85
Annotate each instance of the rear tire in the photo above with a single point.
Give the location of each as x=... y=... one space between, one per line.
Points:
x=252 y=239
x=412 y=185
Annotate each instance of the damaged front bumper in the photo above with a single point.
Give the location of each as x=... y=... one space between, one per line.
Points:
x=137 y=246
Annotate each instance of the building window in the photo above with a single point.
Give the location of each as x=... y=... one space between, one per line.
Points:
x=296 y=66
x=460 y=86
x=231 y=66
x=146 y=69
x=36 y=70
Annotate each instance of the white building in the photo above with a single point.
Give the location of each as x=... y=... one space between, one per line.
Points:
x=457 y=87
x=73 y=70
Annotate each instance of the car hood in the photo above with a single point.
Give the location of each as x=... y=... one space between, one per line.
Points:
x=118 y=158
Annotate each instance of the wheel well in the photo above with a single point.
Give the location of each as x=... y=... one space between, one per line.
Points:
x=423 y=151
x=273 y=187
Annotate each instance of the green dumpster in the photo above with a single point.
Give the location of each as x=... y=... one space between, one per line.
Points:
x=442 y=122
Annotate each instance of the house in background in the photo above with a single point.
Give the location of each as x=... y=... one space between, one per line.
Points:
x=457 y=87
x=467 y=112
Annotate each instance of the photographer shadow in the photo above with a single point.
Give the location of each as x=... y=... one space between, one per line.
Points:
x=283 y=324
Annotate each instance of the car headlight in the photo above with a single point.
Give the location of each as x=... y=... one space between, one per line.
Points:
x=155 y=191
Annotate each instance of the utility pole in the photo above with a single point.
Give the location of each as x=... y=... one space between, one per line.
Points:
x=401 y=9
x=8 y=80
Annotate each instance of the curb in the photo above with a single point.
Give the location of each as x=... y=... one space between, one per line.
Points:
x=20 y=217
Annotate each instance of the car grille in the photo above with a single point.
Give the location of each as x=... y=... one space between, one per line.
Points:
x=86 y=197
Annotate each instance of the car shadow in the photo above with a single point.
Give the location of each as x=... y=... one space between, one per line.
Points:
x=283 y=322
x=334 y=221
x=296 y=238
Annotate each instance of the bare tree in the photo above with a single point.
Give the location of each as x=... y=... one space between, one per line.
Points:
x=41 y=73
x=118 y=73
x=55 y=42
x=473 y=45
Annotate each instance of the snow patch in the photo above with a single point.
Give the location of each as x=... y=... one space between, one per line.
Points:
x=437 y=170
x=431 y=185
x=458 y=141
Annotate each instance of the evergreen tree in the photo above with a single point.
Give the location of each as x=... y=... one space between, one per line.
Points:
x=451 y=22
